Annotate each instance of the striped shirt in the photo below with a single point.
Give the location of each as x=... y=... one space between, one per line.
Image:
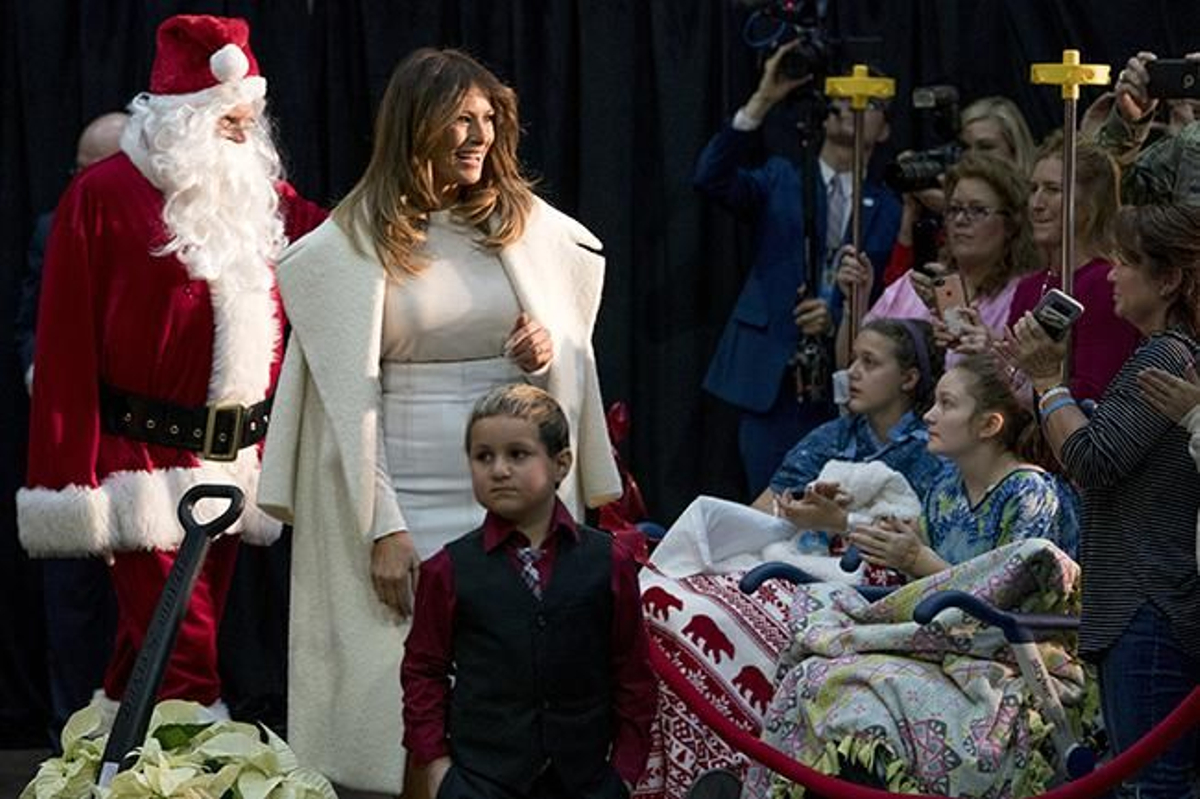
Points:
x=1141 y=492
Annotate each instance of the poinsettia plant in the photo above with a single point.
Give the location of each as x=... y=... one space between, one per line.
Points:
x=186 y=755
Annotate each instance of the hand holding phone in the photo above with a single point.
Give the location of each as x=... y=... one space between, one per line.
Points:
x=950 y=296
x=1056 y=311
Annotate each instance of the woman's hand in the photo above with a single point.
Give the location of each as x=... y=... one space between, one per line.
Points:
x=974 y=336
x=822 y=506
x=529 y=344
x=436 y=772
x=1038 y=355
x=854 y=271
x=891 y=543
x=922 y=283
x=942 y=337
x=1171 y=396
x=394 y=567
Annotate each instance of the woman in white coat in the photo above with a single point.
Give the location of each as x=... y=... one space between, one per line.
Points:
x=438 y=277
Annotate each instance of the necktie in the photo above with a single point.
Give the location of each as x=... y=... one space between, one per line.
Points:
x=836 y=217
x=529 y=558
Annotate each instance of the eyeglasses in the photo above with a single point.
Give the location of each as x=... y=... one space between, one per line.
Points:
x=971 y=213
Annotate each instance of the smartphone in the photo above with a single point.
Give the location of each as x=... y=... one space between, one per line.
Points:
x=1173 y=78
x=949 y=292
x=1056 y=311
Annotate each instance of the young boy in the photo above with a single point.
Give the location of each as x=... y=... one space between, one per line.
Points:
x=539 y=622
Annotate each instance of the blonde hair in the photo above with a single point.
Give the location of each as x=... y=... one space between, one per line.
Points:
x=530 y=404
x=1097 y=189
x=1012 y=126
x=389 y=205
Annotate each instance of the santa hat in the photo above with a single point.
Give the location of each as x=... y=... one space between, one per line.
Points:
x=198 y=55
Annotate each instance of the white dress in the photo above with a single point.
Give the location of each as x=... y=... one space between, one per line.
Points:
x=442 y=348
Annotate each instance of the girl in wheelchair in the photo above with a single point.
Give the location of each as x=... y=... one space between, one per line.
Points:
x=991 y=496
x=941 y=709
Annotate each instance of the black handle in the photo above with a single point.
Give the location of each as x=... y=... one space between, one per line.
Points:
x=778 y=570
x=133 y=717
x=211 y=529
x=931 y=606
x=775 y=570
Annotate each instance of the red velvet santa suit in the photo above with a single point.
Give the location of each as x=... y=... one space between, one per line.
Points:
x=113 y=313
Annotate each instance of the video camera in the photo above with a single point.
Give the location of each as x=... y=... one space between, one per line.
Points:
x=776 y=22
x=920 y=170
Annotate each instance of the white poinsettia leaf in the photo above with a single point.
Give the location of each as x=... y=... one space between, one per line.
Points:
x=210 y=786
x=313 y=782
x=237 y=746
x=283 y=753
x=130 y=785
x=84 y=724
x=252 y=784
x=178 y=711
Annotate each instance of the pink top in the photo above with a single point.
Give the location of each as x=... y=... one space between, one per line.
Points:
x=1101 y=340
x=901 y=301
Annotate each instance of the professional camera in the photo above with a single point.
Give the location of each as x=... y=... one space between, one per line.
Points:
x=805 y=20
x=921 y=170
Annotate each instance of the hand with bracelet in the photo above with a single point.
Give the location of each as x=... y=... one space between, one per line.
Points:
x=1042 y=359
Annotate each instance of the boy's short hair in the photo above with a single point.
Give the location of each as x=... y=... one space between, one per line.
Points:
x=523 y=401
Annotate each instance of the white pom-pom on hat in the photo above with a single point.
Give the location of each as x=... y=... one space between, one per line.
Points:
x=229 y=64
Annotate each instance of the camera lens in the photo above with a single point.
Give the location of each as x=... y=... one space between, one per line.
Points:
x=919 y=171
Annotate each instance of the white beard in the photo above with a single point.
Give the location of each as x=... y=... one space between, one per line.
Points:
x=221 y=212
x=221 y=208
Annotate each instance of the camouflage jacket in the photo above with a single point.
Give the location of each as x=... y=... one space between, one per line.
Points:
x=1168 y=171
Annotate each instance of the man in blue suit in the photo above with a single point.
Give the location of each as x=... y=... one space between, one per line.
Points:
x=750 y=369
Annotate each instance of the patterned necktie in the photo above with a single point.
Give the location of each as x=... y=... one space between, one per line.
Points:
x=529 y=558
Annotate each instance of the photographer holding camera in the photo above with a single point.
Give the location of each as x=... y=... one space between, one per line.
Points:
x=787 y=298
x=1168 y=171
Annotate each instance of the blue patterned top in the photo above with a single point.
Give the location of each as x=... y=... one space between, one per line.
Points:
x=851 y=438
x=1026 y=503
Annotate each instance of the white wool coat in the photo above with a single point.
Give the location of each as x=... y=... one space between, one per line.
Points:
x=344 y=699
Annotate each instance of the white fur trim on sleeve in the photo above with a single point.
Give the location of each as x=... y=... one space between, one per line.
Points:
x=134 y=510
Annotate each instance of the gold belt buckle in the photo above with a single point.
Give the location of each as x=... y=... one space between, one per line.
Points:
x=227 y=444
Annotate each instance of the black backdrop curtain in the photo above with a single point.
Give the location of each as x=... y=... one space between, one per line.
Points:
x=618 y=97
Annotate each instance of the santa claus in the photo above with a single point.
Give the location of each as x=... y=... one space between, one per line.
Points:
x=159 y=340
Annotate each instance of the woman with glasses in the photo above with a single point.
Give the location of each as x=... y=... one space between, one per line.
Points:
x=989 y=246
x=991 y=126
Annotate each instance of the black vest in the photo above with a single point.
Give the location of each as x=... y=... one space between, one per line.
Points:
x=532 y=685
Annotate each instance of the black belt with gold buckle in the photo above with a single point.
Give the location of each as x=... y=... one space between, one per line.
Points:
x=216 y=432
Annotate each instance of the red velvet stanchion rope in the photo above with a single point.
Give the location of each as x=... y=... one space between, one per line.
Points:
x=1153 y=744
